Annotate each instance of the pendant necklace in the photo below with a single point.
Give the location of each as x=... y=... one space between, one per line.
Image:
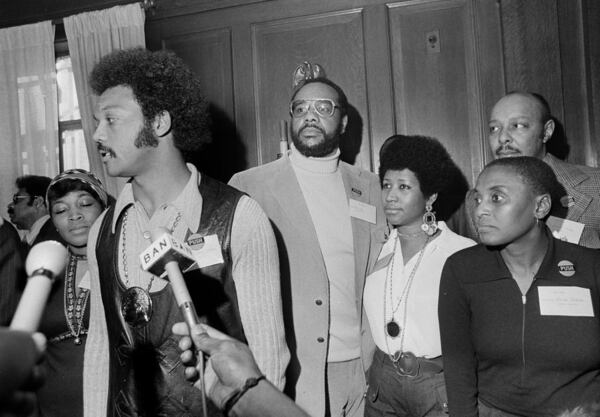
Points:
x=392 y=328
x=75 y=306
x=136 y=302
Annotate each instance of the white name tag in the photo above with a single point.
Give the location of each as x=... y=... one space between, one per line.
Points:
x=564 y=229
x=85 y=281
x=565 y=301
x=208 y=252
x=363 y=211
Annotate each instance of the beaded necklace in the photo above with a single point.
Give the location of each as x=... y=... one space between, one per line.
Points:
x=74 y=305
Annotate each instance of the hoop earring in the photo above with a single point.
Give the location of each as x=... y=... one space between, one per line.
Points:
x=429 y=225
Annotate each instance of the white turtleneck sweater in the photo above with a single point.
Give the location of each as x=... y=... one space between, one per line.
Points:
x=323 y=190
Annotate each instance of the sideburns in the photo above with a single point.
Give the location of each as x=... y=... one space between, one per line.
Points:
x=146 y=137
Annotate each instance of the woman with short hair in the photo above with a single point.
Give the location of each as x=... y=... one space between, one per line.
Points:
x=519 y=313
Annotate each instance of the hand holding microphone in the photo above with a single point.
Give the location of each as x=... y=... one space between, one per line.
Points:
x=45 y=262
x=168 y=254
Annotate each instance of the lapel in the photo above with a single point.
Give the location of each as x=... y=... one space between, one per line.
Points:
x=288 y=195
x=357 y=188
x=571 y=177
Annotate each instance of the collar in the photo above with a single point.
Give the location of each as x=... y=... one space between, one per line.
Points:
x=498 y=269
x=385 y=254
x=325 y=165
x=35 y=228
x=565 y=172
x=188 y=202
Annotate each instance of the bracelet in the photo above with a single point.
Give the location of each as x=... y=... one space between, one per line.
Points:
x=237 y=394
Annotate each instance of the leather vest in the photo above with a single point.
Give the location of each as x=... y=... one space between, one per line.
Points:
x=146 y=377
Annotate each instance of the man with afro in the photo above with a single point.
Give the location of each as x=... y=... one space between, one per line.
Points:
x=150 y=117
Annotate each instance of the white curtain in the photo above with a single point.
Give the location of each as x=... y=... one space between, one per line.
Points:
x=28 y=103
x=90 y=36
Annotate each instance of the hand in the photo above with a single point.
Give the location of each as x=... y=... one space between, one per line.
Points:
x=22 y=401
x=230 y=362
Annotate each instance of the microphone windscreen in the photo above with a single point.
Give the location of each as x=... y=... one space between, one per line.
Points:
x=45 y=261
x=49 y=255
x=165 y=248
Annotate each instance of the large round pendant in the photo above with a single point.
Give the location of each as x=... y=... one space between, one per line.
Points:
x=136 y=306
x=392 y=328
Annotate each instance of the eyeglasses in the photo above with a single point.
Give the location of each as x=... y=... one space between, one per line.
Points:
x=324 y=107
x=16 y=198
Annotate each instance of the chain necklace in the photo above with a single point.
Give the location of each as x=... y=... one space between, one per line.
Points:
x=75 y=306
x=410 y=235
x=136 y=303
x=392 y=328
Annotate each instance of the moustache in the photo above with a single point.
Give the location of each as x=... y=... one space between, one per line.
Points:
x=500 y=150
x=313 y=126
x=105 y=149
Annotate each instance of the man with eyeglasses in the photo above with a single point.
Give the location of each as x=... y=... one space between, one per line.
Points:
x=323 y=211
x=29 y=213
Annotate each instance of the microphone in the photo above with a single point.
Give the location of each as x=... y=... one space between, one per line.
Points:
x=46 y=260
x=168 y=254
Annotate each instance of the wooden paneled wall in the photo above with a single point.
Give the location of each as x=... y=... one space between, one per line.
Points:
x=432 y=67
x=553 y=47
x=422 y=67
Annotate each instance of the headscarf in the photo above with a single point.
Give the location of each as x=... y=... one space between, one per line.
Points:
x=83 y=176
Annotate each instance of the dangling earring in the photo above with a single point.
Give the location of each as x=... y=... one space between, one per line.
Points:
x=429 y=225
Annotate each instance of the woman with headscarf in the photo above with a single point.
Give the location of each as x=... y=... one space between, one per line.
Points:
x=519 y=313
x=75 y=199
x=419 y=183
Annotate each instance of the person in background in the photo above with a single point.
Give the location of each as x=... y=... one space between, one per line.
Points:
x=12 y=272
x=521 y=125
x=519 y=313
x=323 y=211
x=29 y=212
x=418 y=179
x=75 y=199
x=151 y=116
x=232 y=378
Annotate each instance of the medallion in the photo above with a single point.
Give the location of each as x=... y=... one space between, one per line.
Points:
x=136 y=306
x=392 y=328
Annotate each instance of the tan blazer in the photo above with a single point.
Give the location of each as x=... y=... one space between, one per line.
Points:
x=305 y=288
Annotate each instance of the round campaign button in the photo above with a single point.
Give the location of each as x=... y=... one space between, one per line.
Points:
x=566 y=268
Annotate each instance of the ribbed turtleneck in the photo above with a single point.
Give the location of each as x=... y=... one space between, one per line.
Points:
x=323 y=189
x=322 y=165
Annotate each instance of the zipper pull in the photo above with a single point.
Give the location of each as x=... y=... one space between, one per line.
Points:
x=524 y=299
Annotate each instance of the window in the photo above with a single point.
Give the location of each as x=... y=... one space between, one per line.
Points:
x=72 y=152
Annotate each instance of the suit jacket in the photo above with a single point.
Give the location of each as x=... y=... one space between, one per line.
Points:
x=48 y=232
x=582 y=203
x=12 y=273
x=304 y=281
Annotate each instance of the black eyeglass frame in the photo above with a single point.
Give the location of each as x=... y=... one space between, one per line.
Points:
x=15 y=198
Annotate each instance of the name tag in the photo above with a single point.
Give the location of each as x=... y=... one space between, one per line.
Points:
x=564 y=229
x=85 y=281
x=207 y=253
x=565 y=301
x=363 y=211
